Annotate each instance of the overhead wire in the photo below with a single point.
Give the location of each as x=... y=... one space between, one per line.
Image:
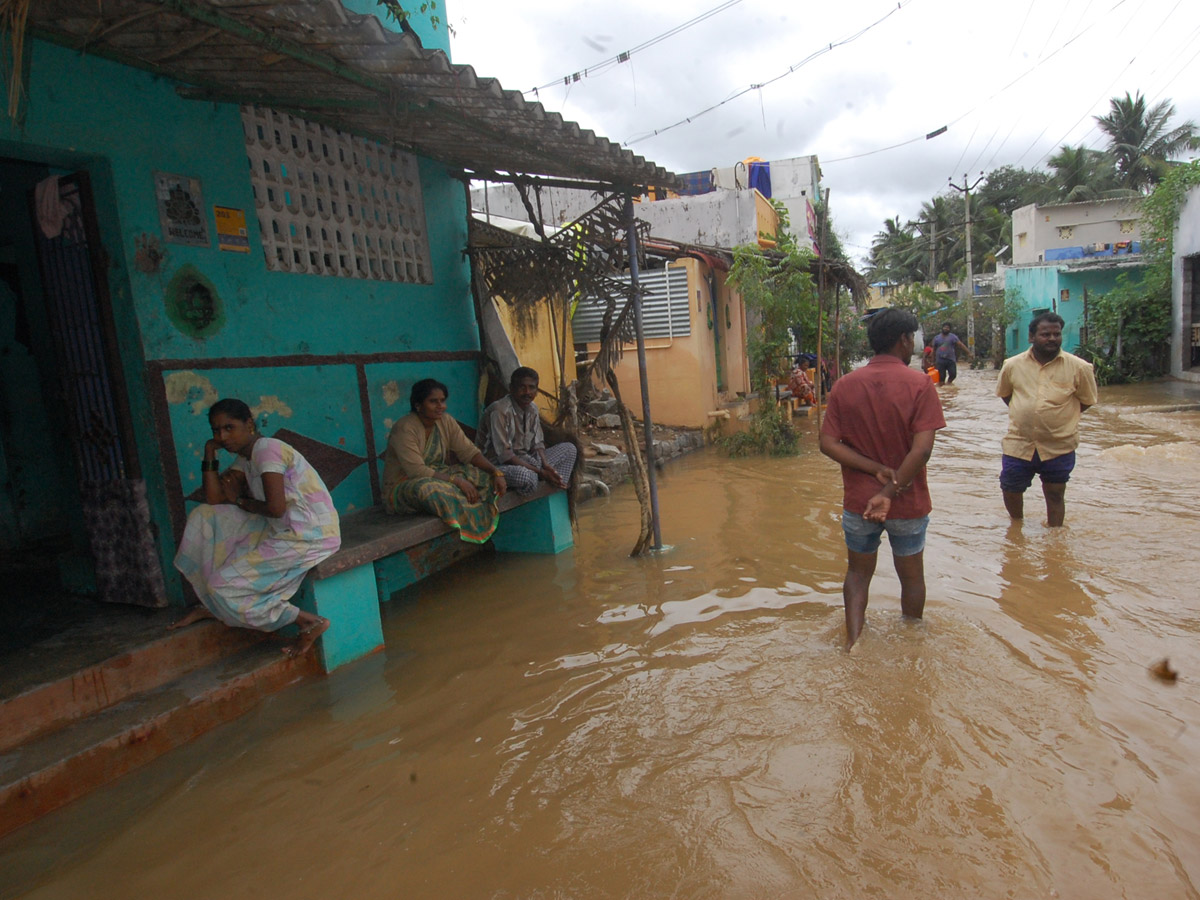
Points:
x=623 y=57
x=985 y=101
x=760 y=85
x=1021 y=30
x=1107 y=91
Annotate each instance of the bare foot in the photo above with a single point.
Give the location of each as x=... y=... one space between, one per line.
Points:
x=308 y=637
x=195 y=614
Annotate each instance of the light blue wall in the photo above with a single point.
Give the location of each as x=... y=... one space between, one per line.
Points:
x=1041 y=287
x=123 y=125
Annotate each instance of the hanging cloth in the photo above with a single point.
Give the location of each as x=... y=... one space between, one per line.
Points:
x=52 y=209
x=760 y=177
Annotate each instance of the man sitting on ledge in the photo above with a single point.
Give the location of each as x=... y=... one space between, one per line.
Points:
x=510 y=436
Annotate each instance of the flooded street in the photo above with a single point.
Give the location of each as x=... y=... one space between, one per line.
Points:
x=591 y=726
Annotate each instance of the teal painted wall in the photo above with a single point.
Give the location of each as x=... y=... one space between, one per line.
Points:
x=123 y=125
x=1041 y=287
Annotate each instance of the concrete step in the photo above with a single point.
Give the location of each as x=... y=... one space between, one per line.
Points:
x=50 y=771
x=65 y=698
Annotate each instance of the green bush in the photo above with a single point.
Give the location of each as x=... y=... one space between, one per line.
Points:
x=770 y=433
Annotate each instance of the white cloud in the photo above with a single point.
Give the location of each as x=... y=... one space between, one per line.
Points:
x=1011 y=82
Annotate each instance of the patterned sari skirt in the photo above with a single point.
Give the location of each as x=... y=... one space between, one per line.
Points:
x=474 y=522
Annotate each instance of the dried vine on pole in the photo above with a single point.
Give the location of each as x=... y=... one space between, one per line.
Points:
x=14 y=15
x=580 y=264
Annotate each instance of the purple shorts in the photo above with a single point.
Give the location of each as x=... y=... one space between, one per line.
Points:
x=1016 y=474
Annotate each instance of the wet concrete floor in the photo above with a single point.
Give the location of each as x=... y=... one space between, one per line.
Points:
x=591 y=726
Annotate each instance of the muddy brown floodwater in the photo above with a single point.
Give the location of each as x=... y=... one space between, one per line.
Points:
x=592 y=726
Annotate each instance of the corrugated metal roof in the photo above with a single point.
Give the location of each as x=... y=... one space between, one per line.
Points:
x=315 y=59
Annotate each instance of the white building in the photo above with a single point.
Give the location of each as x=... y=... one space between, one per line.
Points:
x=720 y=218
x=795 y=182
x=1065 y=231
x=727 y=215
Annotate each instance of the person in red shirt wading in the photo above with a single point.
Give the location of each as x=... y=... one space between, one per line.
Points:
x=880 y=426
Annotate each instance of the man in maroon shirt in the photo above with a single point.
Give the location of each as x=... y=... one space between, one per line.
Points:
x=880 y=426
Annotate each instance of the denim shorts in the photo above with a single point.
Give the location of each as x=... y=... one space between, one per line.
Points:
x=1016 y=474
x=907 y=536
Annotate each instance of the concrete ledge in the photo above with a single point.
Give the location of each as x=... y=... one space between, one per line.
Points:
x=371 y=534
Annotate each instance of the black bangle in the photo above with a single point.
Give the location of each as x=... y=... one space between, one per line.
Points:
x=206 y=466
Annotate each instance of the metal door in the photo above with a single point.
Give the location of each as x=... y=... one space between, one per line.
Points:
x=75 y=287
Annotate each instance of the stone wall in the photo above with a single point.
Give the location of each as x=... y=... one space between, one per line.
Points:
x=610 y=464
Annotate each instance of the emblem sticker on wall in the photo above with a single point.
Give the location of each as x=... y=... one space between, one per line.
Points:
x=193 y=304
x=181 y=209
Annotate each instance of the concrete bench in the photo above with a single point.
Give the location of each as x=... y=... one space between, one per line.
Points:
x=382 y=554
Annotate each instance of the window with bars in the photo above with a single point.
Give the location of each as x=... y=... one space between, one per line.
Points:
x=665 y=312
x=331 y=203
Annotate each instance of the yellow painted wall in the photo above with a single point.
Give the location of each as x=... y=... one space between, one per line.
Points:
x=535 y=348
x=768 y=219
x=733 y=338
x=682 y=371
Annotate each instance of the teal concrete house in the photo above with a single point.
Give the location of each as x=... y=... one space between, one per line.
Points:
x=1064 y=256
x=201 y=199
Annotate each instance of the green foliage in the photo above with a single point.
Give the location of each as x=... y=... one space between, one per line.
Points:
x=1009 y=188
x=832 y=248
x=779 y=293
x=1129 y=329
x=1082 y=174
x=770 y=433
x=853 y=337
x=397 y=12
x=896 y=254
x=1142 y=143
x=1141 y=140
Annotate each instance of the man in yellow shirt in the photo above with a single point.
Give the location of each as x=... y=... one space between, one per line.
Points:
x=1045 y=390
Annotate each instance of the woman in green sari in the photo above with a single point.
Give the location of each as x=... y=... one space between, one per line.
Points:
x=418 y=474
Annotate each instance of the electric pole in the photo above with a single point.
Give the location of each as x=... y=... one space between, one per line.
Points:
x=966 y=192
x=818 y=381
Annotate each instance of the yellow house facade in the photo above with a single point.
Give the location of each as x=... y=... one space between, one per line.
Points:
x=700 y=366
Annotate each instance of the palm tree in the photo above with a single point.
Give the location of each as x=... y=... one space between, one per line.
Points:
x=1141 y=142
x=894 y=255
x=940 y=218
x=1082 y=174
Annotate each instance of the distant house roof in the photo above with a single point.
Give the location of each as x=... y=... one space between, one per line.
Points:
x=314 y=59
x=839 y=272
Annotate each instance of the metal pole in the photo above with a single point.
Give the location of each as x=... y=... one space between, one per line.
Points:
x=837 y=332
x=966 y=192
x=643 y=378
x=819 y=381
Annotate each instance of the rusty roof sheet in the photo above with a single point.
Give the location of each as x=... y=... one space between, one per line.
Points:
x=316 y=60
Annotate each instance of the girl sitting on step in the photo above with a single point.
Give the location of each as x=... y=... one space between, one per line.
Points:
x=268 y=519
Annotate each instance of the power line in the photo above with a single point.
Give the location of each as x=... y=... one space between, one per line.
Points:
x=1107 y=91
x=984 y=102
x=758 y=87
x=1021 y=30
x=609 y=63
x=1041 y=60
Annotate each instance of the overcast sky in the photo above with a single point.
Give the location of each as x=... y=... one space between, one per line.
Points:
x=1012 y=82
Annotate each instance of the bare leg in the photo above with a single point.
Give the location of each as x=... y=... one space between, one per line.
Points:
x=1015 y=504
x=195 y=614
x=911 y=570
x=311 y=627
x=860 y=568
x=1056 y=503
